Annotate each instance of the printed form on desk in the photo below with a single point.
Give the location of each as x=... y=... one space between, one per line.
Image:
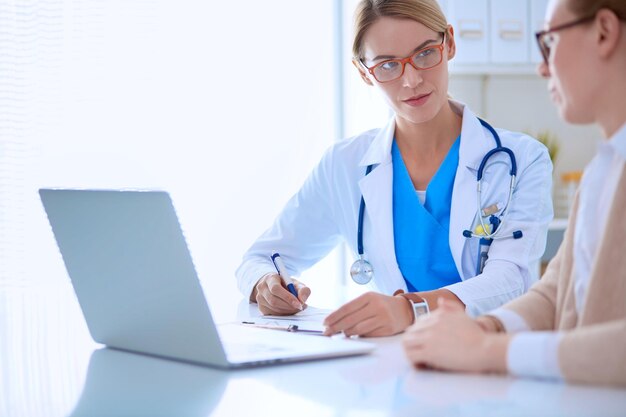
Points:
x=308 y=320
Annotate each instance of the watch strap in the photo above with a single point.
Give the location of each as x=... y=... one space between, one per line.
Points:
x=419 y=306
x=411 y=296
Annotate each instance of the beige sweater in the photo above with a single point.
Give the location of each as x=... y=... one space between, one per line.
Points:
x=593 y=346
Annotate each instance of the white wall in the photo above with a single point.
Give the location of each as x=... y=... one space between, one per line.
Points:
x=227 y=105
x=522 y=103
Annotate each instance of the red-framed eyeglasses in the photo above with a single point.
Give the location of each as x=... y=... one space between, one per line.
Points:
x=392 y=69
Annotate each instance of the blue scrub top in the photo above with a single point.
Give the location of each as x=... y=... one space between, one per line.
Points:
x=421 y=232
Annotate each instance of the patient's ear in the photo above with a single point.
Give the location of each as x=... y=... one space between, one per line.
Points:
x=362 y=72
x=609 y=32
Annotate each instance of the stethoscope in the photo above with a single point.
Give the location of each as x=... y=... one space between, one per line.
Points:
x=362 y=271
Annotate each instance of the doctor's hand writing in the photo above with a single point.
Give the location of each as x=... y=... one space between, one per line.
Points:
x=274 y=299
x=373 y=314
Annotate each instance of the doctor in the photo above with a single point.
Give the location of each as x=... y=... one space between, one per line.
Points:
x=413 y=184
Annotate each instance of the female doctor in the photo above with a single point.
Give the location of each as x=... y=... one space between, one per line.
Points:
x=411 y=189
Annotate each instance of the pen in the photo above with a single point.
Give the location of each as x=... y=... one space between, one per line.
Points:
x=282 y=271
x=288 y=328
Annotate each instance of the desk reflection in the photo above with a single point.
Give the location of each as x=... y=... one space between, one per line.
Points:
x=439 y=394
x=381 y=384
x=126 y=384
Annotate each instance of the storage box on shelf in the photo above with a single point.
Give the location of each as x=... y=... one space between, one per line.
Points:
x=495 y=36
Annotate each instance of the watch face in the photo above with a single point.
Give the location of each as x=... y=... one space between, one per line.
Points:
x=420 y=309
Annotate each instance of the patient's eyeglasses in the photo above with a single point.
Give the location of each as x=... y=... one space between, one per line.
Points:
x=546 y=38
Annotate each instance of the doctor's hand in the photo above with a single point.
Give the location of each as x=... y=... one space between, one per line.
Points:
x=449 y=339
x=371 y=314
x=274 y=299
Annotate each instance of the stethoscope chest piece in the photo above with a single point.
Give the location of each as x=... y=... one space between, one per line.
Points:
x=361 y=271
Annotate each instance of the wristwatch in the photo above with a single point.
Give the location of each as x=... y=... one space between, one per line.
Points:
x=419 y=306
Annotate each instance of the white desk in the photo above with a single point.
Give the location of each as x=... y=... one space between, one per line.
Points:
x=49 y=366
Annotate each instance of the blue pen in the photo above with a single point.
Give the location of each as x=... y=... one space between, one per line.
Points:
x=282 y=271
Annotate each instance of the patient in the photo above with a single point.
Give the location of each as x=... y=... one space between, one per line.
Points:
x=571 y=325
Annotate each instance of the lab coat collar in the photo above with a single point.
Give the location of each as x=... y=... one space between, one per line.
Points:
x=471 y=151
x=379 y=151
x=476 y=141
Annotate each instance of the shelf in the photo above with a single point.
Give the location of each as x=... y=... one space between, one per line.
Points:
x=493 y=69
x=558 y=224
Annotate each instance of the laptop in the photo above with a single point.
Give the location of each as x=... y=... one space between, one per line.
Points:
x=138 y=289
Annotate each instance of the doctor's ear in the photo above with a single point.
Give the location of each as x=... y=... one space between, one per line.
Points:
x=450 y=42
x=362 y=72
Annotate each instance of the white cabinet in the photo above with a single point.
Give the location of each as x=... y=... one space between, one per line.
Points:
x=471 y=24
x=509 y=31
x=495 y=36
x=537 y=18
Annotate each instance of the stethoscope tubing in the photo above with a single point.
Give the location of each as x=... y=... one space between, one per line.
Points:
x=479 y=175
x=361 y=219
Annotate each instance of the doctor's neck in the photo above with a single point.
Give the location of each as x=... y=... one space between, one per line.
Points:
x=430 y=137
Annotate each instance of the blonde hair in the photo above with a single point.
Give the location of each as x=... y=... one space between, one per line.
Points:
x=591 y=7
x=426 y=12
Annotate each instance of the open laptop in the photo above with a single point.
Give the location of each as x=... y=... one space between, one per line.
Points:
x=137 y=286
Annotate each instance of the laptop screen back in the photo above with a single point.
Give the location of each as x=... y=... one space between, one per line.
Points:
x=132 y=272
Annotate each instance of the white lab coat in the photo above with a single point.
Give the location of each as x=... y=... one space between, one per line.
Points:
x=325 y=211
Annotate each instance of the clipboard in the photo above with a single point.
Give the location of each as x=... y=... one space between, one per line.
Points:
x=308 y=321
x=292 y=328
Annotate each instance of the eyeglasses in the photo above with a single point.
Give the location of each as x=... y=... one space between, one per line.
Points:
x=546 y=38
x=392 y=69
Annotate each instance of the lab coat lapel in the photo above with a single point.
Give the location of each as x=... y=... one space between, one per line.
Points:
x=476 y=141
x=377 y=191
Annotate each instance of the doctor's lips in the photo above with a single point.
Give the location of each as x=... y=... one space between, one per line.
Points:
x=417 y=100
